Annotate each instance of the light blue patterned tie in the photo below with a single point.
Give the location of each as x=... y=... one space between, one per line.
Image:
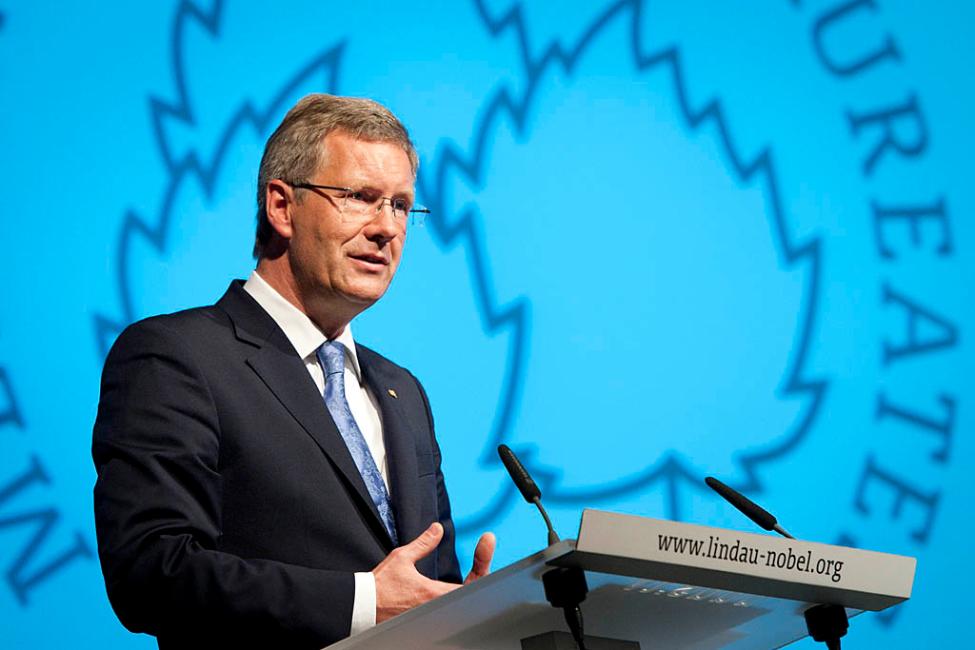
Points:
x=332 y=357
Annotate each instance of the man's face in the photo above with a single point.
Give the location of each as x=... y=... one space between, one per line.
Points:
x=344 y=263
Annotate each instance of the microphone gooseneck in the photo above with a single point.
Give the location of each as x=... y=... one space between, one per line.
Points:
x=565 y=587
x=527 y=486
x=825 y=622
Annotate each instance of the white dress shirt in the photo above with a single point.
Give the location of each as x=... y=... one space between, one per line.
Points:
x=306 y=338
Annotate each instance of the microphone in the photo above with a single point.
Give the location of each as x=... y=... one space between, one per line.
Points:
x=825 y=622
x=565 y=587
x=527 y=486
x=747 y=507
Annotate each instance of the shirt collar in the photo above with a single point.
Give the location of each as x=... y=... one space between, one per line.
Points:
x=300 y=330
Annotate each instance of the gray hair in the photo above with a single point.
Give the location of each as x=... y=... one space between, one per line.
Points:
x=294 y=152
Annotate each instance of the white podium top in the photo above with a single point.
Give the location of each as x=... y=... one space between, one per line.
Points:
x=663 y=584
x=725 y=559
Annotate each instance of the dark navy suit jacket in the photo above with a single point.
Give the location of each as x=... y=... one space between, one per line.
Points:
x=228 y=508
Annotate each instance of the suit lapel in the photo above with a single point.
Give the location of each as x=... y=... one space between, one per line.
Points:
x=285 y=375
x=400 y=448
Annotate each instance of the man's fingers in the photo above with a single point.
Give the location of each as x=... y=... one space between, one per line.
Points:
x=483 y=554
x=424 y=543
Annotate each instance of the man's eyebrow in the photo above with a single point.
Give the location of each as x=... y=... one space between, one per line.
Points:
x=405 y=194
x=370 y=188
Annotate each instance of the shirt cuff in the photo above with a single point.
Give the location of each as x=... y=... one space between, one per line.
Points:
x=363 y=604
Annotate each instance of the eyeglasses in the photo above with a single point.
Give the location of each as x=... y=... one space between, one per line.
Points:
x=361 y=206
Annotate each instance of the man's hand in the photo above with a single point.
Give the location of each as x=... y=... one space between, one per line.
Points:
x=483 y=553
x=399 y=586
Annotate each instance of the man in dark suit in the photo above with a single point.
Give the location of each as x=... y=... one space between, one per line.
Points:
x=263 y=480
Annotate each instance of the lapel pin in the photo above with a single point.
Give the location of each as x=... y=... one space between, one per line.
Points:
x=392 y=393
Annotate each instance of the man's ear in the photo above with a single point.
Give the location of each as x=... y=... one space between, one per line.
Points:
x=280 y=198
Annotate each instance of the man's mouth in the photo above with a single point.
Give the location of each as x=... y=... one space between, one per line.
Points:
x=369 y=258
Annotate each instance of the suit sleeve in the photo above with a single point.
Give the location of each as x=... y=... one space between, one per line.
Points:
x=448 y=568
x=156 y=447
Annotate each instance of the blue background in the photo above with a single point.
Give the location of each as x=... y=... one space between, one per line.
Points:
x=654 y=256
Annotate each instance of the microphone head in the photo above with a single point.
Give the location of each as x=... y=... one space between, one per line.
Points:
x=519 y=474
x=748 y=507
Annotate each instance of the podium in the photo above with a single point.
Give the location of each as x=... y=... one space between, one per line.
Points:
x=654 y=584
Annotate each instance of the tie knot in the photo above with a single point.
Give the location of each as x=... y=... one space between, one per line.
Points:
x=332 y=357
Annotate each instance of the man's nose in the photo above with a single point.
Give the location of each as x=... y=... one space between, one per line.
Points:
x=384 y=223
